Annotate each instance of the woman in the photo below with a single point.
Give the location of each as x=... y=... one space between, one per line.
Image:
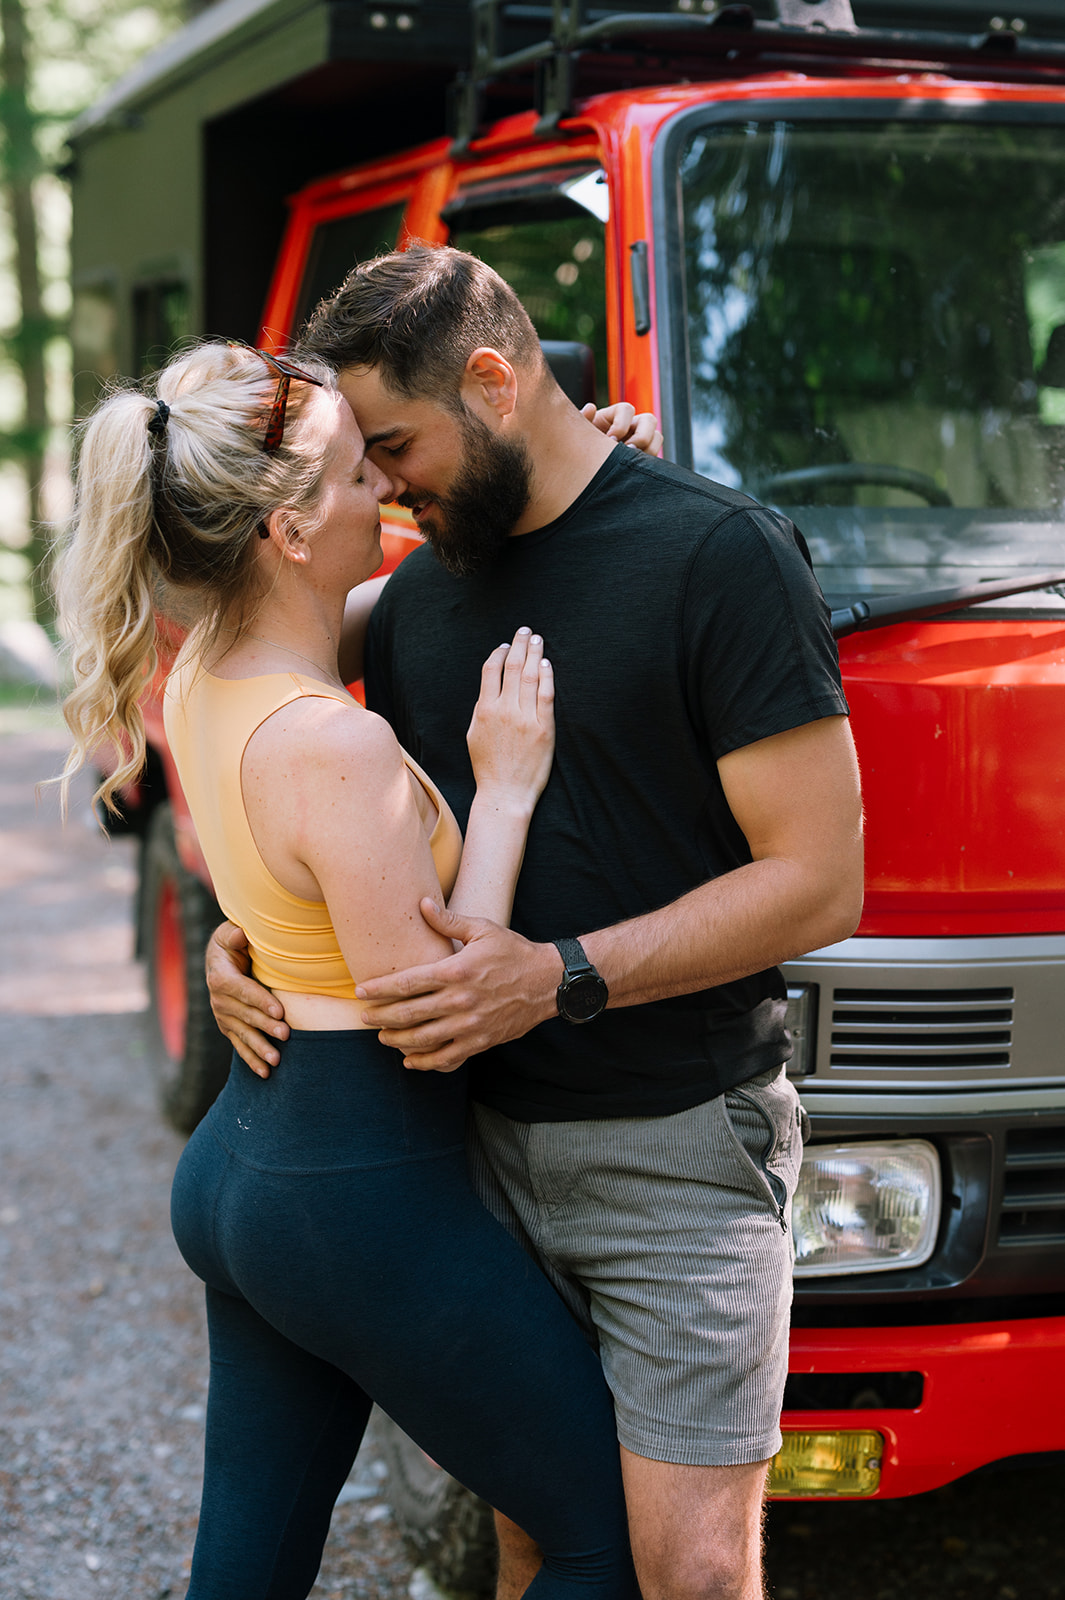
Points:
x=327 y=1210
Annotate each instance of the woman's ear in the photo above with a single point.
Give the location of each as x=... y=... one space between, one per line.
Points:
x=283 y=532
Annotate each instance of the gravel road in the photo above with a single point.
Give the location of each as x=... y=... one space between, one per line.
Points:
x=102 y=1346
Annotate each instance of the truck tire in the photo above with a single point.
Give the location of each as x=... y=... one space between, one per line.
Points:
x=448 y=1530
x=189 y=1057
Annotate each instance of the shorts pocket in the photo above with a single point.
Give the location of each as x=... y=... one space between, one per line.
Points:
x=769 y=1125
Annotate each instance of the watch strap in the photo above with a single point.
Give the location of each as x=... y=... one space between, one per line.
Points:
x=573 y=956
x=582 y=994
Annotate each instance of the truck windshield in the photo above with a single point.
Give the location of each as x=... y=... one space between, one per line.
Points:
x=876 y=340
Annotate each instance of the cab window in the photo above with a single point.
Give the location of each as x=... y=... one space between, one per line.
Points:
x=544 y=233
x=340 y=244
x=869 y=353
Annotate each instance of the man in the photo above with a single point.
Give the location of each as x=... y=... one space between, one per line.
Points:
x=702 y=823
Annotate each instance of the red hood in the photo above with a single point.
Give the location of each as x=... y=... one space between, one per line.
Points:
x=960 y=728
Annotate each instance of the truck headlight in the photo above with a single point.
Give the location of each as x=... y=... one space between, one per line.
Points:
x=866 y=1207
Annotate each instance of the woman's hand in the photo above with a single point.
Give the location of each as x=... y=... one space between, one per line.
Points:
x=511 y=738
x=622 y=421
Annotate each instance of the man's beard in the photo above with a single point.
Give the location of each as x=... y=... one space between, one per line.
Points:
x=489 y=494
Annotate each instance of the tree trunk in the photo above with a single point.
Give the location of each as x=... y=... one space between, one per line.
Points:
x=21 y=167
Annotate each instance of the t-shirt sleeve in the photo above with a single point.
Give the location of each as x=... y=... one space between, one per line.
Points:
x=757 y=641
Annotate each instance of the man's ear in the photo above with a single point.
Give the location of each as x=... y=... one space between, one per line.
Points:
x=489 y=382
x=286 y=537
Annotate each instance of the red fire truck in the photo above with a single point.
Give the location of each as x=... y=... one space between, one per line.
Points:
x=825 y=242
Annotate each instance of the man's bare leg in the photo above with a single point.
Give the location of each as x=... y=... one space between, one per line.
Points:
x=696 y=1531
x=519 y=1559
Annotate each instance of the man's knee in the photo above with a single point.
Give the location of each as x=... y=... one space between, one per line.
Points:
x=696 y=1531
x=690 y=1571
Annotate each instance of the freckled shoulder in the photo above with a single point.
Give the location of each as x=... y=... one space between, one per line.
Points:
x=323 y=730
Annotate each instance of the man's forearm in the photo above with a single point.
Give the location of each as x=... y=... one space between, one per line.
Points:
x=797 y=801
x=500 y=985
x=745 y=921
x=360 y=603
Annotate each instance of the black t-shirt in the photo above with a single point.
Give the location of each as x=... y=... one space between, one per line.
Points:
x=683 y=621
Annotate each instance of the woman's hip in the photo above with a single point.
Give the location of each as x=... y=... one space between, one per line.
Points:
x=332 y=1151
x=338 y=1100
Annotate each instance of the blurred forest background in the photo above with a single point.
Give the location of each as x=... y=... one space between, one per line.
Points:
x=56 y=58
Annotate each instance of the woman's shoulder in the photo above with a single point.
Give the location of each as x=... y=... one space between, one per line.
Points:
x=319 y=774
x=319 y=736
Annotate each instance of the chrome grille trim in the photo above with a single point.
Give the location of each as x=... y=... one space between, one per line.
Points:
x=952 y=1029
x=938 y=1013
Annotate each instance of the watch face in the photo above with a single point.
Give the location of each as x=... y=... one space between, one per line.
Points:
x=583 y=998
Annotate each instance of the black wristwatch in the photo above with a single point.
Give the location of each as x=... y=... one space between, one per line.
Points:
x=582 y=994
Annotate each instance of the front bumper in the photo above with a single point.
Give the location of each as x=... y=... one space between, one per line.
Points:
x=990 y=1390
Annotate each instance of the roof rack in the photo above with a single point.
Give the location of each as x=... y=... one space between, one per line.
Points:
x=587 y=46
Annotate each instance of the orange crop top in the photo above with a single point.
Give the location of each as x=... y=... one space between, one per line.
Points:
x=208 y=724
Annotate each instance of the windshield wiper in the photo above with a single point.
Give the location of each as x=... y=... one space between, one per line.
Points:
x=887 y=608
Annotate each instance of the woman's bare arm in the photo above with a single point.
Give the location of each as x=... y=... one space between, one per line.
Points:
x=333 y=812
x=360 y=603
x=334 y=816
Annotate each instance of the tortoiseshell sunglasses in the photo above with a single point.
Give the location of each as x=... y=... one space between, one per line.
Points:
x=287 y=370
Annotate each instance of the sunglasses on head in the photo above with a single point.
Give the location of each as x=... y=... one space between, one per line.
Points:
x=286 y=370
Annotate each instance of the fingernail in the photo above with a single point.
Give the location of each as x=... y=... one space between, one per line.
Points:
x=536 y=639
x=524 y=630
x=360 y=992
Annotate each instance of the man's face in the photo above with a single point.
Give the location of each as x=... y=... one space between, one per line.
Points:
x=466 y=486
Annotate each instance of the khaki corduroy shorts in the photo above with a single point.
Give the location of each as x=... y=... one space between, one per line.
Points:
x=670 y=1240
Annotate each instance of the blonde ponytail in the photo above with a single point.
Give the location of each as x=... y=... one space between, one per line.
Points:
x=105 y=583
x=169 y=495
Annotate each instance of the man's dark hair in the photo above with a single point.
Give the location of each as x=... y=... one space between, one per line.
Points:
x=416 y=315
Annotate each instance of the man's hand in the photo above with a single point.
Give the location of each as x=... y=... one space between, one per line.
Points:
x=244 y=1011
x=495 y=988
x=623 y=422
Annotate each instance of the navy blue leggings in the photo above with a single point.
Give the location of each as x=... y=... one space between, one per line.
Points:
x=346 y=1258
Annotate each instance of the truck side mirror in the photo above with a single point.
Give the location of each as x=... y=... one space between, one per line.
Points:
x=573 y=365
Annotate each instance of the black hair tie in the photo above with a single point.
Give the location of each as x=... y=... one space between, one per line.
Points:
x=157 y=423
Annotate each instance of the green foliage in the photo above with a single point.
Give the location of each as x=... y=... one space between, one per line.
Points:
x=78 y=48
x=57 y=57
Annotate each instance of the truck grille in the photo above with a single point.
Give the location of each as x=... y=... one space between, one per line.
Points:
x=1033 y=1196
x=942 y=1029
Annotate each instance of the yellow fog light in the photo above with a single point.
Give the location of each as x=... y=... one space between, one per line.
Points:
x=840 y=1462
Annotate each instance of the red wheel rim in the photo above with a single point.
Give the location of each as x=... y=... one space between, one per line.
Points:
x=171 y=984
